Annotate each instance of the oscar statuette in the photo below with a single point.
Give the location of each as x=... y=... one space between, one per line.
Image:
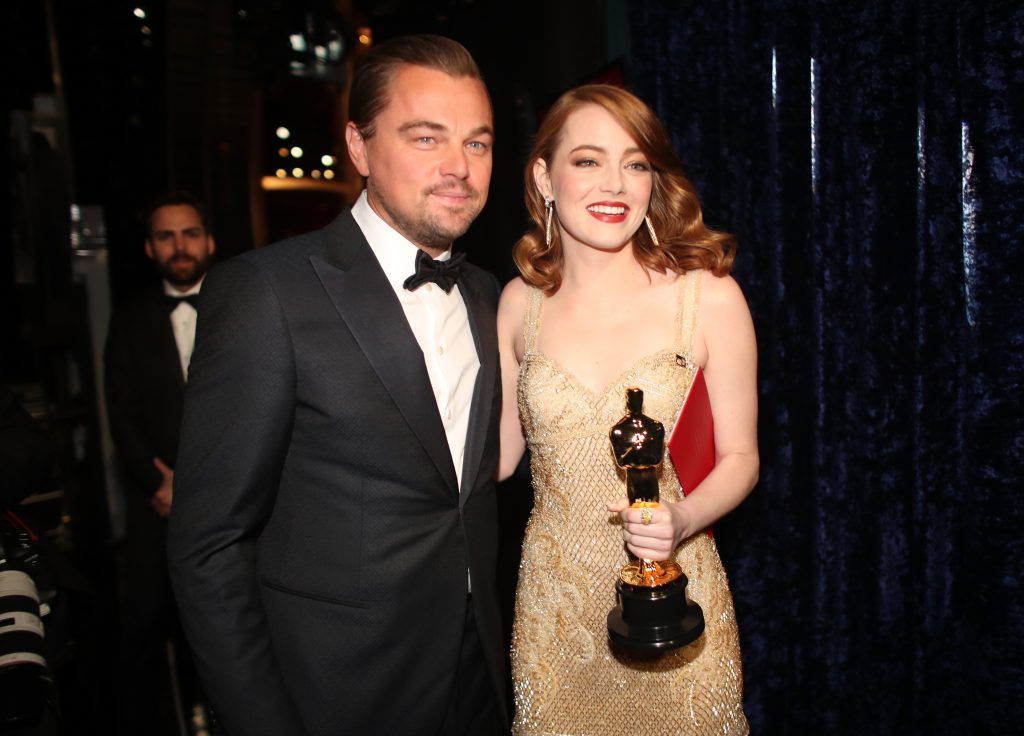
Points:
x=653 y=614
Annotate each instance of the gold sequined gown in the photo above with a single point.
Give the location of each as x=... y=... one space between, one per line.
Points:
x=567 y=679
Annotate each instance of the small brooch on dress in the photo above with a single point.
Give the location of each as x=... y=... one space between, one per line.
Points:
x=684 y=361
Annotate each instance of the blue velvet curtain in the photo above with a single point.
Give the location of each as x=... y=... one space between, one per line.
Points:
x=869 y=157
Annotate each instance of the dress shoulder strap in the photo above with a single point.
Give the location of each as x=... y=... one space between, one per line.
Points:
x=531 y=321
x=686 y=311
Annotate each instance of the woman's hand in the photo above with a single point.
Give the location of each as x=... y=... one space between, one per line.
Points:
x=668 y=525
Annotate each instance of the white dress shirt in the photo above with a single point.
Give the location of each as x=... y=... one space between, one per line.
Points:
x=438 y=320
x=183 y=321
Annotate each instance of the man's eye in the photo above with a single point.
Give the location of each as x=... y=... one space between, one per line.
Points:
x=478 y=146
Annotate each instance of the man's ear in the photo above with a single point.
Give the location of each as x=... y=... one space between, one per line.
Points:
x=211 y=244
x=357 y=148
x=542 y=178
x=149 y=249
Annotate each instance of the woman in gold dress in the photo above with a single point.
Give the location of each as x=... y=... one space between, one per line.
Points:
x=622 y=285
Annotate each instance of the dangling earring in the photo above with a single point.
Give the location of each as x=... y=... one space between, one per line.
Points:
x=650 y=229
x=549 y=205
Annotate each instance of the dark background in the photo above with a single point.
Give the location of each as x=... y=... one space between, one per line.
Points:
x=869 y=158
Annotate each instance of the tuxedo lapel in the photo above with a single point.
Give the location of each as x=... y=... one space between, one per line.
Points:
x=366 y=303
x=165 y=347
x=481 y=323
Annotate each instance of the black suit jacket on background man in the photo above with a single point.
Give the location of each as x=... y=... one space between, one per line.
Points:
x=144 y=388
x=319 y=542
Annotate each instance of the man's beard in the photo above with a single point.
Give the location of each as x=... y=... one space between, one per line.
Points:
x=184 y=277
x=426 y=228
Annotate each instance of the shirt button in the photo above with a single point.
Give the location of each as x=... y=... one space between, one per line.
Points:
x=440 y=349
x=448 y=415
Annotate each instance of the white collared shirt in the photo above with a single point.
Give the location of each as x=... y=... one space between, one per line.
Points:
x=183 y=321
x=438 y=320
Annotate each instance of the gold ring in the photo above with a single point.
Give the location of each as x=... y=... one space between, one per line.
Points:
x=645 y=516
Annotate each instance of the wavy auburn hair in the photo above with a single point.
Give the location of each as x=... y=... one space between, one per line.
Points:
x=685 y=242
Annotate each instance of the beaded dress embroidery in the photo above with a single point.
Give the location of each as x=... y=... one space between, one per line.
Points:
x=567 y=678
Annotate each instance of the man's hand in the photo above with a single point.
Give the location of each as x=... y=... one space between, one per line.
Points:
x=161 y=501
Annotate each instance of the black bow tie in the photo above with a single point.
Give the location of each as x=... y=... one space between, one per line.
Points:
x=442 y=273
x=172 y=302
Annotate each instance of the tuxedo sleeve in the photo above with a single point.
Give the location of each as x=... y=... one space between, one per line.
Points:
x=238 y=413
x=125 y=405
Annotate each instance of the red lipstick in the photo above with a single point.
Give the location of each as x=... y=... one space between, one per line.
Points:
x=610 y=212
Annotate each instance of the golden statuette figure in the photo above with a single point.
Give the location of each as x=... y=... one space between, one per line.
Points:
x=653 y=613
x=638 y=442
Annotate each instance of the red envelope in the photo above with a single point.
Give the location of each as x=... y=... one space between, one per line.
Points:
x=692 y=443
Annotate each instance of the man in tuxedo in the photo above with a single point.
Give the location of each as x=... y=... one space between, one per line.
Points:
x=333 y=541
x=149 y=345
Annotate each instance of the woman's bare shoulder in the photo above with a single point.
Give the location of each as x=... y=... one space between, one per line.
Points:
x=722 y=315
x=719 y=292
x=513 y=297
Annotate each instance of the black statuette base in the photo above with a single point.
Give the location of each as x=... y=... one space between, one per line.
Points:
x=654 y=619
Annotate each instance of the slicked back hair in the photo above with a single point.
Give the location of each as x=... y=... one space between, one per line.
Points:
x=372 y=79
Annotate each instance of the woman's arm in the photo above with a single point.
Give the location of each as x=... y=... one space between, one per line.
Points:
x=511 y=311
x=726 y=347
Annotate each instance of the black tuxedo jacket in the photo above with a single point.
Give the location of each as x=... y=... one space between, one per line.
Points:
x=318 y=542
x=144 y=387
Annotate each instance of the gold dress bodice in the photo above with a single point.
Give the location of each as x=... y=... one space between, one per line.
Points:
x=567 y=678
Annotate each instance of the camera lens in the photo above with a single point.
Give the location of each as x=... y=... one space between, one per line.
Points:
x=25 y=682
